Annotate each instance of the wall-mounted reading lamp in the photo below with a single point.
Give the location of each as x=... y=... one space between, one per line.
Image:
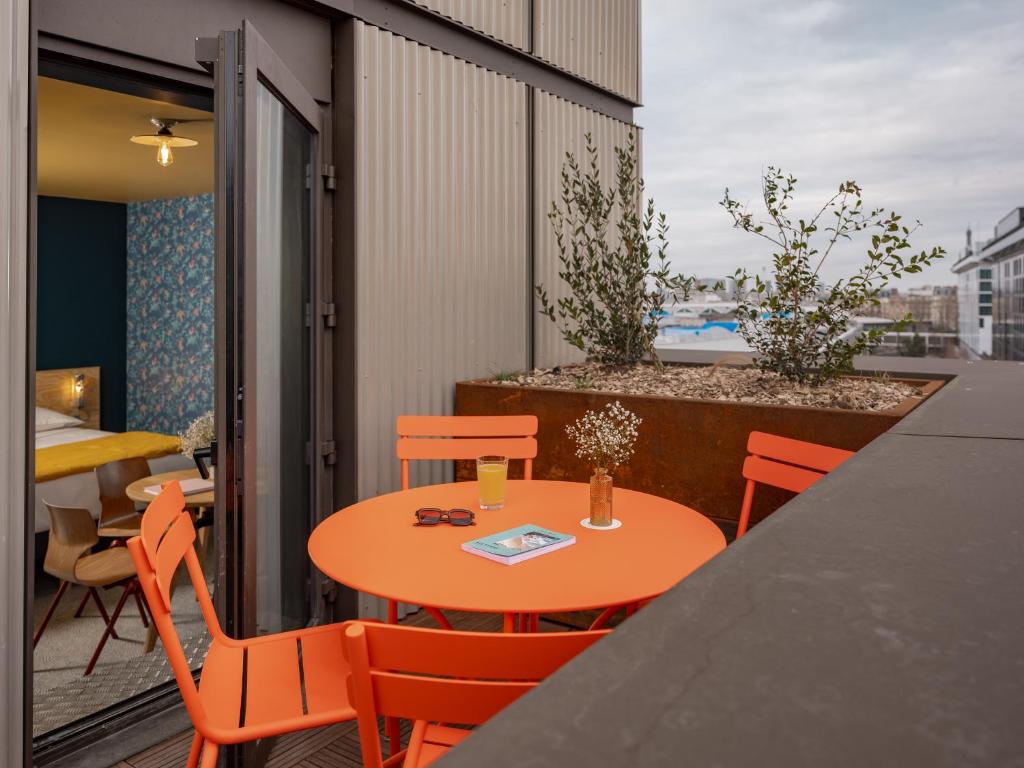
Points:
x=79 y=390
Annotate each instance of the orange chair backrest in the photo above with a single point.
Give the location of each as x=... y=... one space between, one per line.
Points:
x=444 y=676
x=165 y=539
x=465 y=437
x=782 y=462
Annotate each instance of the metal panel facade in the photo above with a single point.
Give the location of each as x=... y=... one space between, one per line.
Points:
x=441 y=239
x=559 y=127
x=596 y=39
x=504 y=20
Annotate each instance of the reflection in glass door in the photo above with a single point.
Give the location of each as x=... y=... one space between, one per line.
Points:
x=282 y=364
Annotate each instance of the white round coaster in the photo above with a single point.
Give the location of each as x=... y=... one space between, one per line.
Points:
x=616 y=523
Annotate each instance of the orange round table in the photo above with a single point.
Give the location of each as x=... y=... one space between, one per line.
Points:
x=373 y=546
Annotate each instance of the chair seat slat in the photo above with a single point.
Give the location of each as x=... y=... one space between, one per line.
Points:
x=466 y=448
x=780 y=475
x=467 y=426
x=823 y=458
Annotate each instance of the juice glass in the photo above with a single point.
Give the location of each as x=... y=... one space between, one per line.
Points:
x=491 y=474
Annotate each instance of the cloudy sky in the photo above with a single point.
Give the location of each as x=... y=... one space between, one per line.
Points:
x=919 y=101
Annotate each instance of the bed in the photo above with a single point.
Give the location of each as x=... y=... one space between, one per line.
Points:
x=69 y=443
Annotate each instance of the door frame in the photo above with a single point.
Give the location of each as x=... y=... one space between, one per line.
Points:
x=114 y=730
x=242 y=59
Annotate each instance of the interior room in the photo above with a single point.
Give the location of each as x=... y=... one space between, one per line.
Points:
x=124 y=363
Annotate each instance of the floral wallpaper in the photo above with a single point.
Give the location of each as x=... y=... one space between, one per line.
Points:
x=170 y=312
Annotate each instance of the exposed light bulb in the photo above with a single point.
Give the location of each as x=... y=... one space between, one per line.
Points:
x=164 y=156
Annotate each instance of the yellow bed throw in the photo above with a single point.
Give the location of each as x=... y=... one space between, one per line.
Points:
x=72 y=458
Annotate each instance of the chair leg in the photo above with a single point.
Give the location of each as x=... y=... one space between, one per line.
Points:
x=509 y=623
x=139 y=604
x=209 y=755
x=605 y=615
x=438 y=617
x=81 y=605
x=393 y=726
x=193 y=753
x=49 y=611
x=107 y=632
x=392 y=612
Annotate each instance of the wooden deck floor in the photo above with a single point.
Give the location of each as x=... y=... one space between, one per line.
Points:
x=336 y=746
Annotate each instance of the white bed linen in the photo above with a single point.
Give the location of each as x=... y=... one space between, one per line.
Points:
x=81 y=490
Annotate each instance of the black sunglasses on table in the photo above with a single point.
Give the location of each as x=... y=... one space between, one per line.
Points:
x=434 y=515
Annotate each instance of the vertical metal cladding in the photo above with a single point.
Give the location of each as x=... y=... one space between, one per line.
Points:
x=441 y=239
x=504 y=20
x=596 y=39
x=559 y=127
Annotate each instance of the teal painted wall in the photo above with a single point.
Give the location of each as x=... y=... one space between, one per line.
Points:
x=81 y=295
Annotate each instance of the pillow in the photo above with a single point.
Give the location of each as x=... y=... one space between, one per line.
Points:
x=47 y=420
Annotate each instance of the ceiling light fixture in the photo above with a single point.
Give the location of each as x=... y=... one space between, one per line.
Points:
x=163 y=140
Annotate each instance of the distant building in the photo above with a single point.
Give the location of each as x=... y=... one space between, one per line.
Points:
x=974 y=301
x=932 y=304
x=991 y=292
x=1005 y=252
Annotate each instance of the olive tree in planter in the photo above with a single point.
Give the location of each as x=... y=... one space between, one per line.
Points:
x=796 y=327
x=612 y=247
x=613 y=260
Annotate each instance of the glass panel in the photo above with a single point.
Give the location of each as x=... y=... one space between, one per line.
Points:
x=282 y=416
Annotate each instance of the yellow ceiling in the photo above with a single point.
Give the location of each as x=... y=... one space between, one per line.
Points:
x=85 y=152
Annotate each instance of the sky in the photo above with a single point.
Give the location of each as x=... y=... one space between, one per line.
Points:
x=919 y=101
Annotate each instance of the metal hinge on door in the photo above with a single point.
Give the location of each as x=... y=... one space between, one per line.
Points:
x=329 y=451
x=330 y=180
x=329 y=591
x=330 y=314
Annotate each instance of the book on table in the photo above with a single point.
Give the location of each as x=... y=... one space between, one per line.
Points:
x=518 y=544
x=188 y=487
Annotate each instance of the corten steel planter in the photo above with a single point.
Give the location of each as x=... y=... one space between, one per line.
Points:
x=690 y=451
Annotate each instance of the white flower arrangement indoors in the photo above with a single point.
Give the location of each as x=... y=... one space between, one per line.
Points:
x=199 y=434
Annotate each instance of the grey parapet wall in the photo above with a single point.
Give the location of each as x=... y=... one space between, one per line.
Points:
x=876 y=619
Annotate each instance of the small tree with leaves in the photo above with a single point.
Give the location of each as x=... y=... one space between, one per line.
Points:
x=798 y=327
x=612 y=249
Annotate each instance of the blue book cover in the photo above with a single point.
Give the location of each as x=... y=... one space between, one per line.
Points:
x=518 y=544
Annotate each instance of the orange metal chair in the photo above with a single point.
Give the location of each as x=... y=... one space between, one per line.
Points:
x=249 y=689
x=457 y=438
x=794 y=465
x=435 y=676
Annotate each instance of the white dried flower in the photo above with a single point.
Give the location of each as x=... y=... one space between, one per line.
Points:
x=605 y=438
x=200 y=434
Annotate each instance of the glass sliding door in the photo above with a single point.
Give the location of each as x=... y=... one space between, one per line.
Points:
x=271 y=336
x=281 y=399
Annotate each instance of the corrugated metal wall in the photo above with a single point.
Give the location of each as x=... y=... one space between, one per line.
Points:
x=441 y=238
x=560 y=127
x=505 y=20
x=595 y=39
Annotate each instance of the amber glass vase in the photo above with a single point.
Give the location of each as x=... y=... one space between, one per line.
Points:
x=601 y=498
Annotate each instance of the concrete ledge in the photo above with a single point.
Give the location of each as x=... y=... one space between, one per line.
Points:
x=874 y=620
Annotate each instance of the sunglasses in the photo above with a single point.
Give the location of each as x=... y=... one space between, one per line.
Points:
x=433 y=516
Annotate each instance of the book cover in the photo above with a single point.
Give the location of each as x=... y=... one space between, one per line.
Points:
x=518 y=544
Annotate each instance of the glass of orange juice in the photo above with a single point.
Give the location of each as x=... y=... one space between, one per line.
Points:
x=491 y=474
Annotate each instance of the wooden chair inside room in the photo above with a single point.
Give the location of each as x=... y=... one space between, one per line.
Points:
x=118 y=517
x=437 y=678
x=462 y=438
x=69 y=558
x=782 y=462
x=249 y=689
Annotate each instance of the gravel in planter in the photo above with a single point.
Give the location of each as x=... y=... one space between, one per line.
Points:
x=746 y=385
